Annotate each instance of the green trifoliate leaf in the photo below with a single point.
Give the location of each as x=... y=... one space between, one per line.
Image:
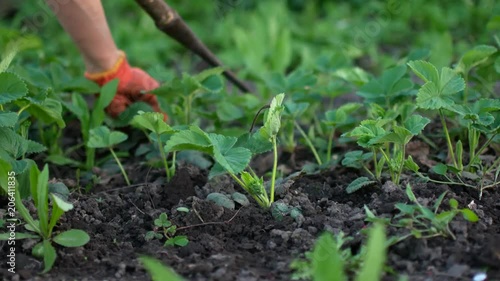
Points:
x=12 y=87
x=162 y=221
x=8 y=119
x=355 y=159
x=368 y=131
x=102 y=137
x=438 y=92
x=152 y=121
x=273 y=120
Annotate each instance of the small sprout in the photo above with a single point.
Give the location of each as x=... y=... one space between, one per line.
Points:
x=163 y=227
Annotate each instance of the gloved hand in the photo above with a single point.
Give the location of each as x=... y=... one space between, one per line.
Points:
x=132 y=82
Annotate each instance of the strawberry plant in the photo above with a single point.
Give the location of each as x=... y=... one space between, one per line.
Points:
x=154 y=123
x=232 y=155
x=422 y=221
x=165 y=229
x=91 y=118
x=389 y=144
x=102 y=137
x=43 y=227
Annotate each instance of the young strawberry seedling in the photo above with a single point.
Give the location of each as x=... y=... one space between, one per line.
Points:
x=102 y=137
x=154 y=123
x=165 y=229
x=232 y=155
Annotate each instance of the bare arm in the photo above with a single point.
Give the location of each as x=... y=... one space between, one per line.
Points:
x=85 y=22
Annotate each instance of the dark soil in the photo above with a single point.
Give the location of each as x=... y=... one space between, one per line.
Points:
x=248 y=243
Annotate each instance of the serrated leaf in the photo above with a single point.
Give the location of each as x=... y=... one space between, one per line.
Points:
x=49 y=111
x=359 y=183
x=411 y=165
x=180 y=240
x=192 y=139
x=272 y=123
x=72 y=238
x=425 y=70
x=221 y=200
x=254 y=142
x=416 y=123
x=8 y=119
x=152 y=121
x=12 y=87
x=102 y=137
x=34 y=147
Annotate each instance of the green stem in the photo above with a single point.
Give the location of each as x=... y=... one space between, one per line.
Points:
x=375 y=164
x=309 y=143
x=120 y=165
x=22 y=109
x=401 y=165
x=329 y=148
x=163 y=156
x=448 y=140
x=275 y=167
x=480 y=151
x=172 y=167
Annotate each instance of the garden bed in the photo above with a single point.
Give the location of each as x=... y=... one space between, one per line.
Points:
x=248 y=243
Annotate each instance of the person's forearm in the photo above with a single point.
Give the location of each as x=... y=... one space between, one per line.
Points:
x=85 y=22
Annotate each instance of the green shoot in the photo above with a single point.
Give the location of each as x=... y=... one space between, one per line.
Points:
x=102 y=137
x=153 y=122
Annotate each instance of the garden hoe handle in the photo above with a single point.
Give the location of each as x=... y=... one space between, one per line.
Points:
x=170 y=22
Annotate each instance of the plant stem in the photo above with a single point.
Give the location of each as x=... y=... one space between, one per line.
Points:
x=375 y=164
x=163 y=156
x=480 y=151
x=120 y=165
x=22 y=109
x=329 y=148
x=448 y=140
x=172 y=167
x=309 y=143
x=275 y=167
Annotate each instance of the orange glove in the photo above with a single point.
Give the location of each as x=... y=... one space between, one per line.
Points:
x=132 y=81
